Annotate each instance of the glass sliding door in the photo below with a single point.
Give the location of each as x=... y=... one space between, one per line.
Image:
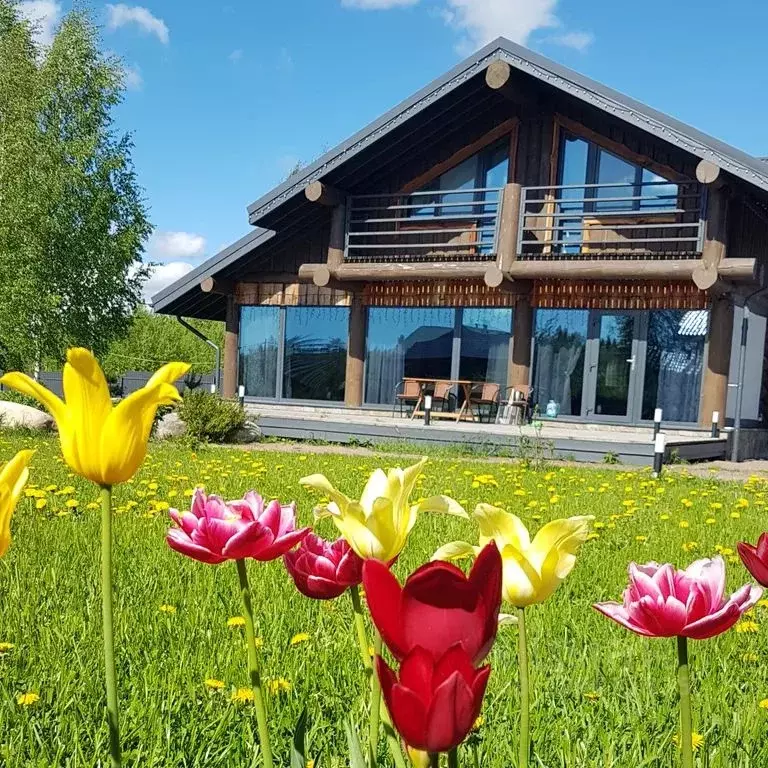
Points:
x=315 y=358
x=560 y=343
x=259 y=350
x=406 y=342
x=674 y=364
x=485 y=335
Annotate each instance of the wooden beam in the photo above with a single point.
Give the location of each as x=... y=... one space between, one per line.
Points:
x=231 y=348
x=337 y=238
x=708 y=173
x=323 y=194
x=216 y=285
x=715 y=238
x=519 y=371
x=508 y=127
x=735 y=270
x=619 y=149
x=714 y=388
x=509 y=226
x=500 y=77
x=354 y=382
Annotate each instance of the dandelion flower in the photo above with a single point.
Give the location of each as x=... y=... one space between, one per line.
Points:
x=684 y=524
x=697 y=741
x=27 y=699
x=750 y=627
x=301 y=637
x=278 y=685
x=167 y=609
x=213 y=684
x=5 y=647
x=235 y=622
x=591 y=695
x=243 y=696
x=763 y=704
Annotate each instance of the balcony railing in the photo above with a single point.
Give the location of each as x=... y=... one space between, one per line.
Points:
x=654 y=219
x=444 y=225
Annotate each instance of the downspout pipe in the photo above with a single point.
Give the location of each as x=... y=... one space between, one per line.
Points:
x=740 y=379
x=200 y=335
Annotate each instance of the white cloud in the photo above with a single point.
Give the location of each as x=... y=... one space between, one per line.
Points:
x=132 y=78
x=236 y=55
x=175 y=246
x=162 y=276
x=377 y=5
x=44 y=16
x=580 y=41
x=121 y=15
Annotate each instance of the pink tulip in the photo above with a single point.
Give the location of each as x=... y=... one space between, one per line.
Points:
x=214 y=530
x=663 y=602
x=323 y=570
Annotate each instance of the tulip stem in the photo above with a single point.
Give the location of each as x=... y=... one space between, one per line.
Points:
x=684 y=684
x=434 y=760
x=453 y=758
x=525 y=702
x=373 y=741
x=253 y=665
x=362 y=638
x=107 y=614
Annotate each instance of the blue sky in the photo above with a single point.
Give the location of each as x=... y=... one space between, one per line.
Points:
x=225 y=98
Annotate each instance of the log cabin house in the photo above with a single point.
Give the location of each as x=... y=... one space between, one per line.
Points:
x=513 y=222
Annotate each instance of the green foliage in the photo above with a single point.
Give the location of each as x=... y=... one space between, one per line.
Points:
x=602 y=697
x=156 y=339
x=72 y=217
x=11 y=396
x=208 y=417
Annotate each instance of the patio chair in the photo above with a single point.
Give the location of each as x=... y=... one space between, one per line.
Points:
x=487 y=396
x=410 y=394
x=515 y=406
x=443 y=395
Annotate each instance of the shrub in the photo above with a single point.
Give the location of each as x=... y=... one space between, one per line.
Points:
x=208 y=417
x=11 y=396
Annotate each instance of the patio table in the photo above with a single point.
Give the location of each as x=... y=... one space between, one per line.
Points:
x=465 y=412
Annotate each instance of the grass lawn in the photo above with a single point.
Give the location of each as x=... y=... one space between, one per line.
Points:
x=601 y=696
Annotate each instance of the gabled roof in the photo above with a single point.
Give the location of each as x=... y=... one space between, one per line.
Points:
x=740 y=164
x=735 y=161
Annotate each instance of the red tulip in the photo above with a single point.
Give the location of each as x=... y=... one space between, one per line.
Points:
x=323 y=570
x=214 y=530
x=438 y=607
x=434 y=701
x=756 y=558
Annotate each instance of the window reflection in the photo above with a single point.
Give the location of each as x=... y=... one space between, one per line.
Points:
x=406 y=342
x=485 y=335
x=558 y=365
x=674 y=364
x=259 y=341
x=315 y=353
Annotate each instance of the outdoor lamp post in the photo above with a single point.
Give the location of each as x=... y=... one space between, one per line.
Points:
x=427 y=409
x=657 y=414
x=715 y=423
x=659 y=446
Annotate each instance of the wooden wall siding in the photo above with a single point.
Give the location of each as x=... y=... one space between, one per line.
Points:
x=290 y=294
x=562 y=294
x=449 y=293
x=747 y=230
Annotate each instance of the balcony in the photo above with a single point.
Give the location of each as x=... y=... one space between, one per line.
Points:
x=437 y=226
x=649 y=220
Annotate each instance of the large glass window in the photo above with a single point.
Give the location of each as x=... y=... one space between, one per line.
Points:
x=674 y=364
x=315 y=353
x=406 y=342
x=485 y=335
x=558 y=365
x=259 y=345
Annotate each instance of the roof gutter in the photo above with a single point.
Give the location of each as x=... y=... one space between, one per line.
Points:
x=200 y=335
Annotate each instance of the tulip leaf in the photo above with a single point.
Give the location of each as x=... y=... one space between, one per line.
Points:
x=298 y=745
x=356 y=755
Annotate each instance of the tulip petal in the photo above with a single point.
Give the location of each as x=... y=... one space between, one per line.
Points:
x=236 y=544
x=416 y=673
x=377 y=487
x=455 y=551
x=126 y=431
x=170 y=373
x=409 y=716
x=713 y=624
x=321 y=483
x=503 y=527
x=756 y=565
x=180 y=542
x=506 y=619
x=619 y=614
x=13 y=478
x=360 y=538
x=28 y=386
x=443 y=505
x=384 y=596
x=486 y=578
x=566 y=536
x=449 y=717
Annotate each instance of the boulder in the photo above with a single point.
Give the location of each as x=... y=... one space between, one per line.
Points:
x=250 y=432
x=15 y=415
x=171 y=425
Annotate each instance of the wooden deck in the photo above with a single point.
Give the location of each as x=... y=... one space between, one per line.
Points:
x=569 y=441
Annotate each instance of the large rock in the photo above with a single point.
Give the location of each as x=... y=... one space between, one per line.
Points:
x=169 y=426
x=248 y=433
x=15 y=415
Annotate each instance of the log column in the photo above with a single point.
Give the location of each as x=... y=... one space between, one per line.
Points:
x=714 y=389
x=231 y=339
x=353 y=384
x=519 y=372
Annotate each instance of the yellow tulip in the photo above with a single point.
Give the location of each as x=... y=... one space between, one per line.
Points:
x=377 y=526
x=532 y=569
x=418 y=758
x=102 y=443
x=13 y=478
